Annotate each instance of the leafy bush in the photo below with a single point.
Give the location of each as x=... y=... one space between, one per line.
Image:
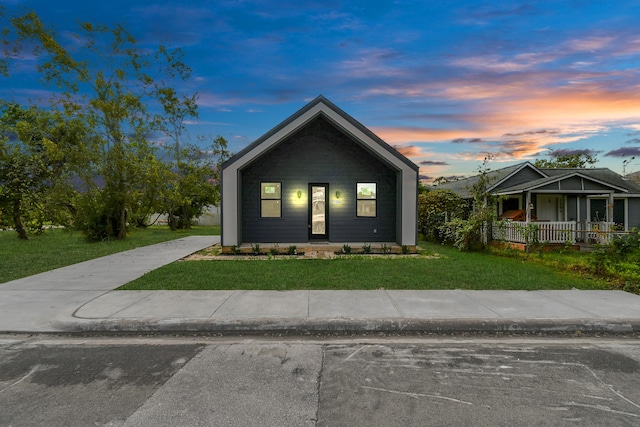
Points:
x=628 y=244
x=463 y=234
x=435 y=208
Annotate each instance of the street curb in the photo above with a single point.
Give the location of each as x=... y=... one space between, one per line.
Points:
x=305 y=326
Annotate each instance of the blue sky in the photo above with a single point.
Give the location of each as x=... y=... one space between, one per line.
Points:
x=446 y=82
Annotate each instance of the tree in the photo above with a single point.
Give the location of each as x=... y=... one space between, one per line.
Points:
x=195 y=184
x=435 y=208
x=112 y=85
x=579 y=159
x=35 y=155
x=470 y=233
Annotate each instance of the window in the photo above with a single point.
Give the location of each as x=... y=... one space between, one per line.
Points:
x=366 y=199
x=270 y=200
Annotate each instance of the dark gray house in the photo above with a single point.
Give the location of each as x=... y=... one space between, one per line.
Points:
x=319 y=176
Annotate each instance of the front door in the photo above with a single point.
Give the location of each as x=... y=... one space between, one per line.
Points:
x=318 y=214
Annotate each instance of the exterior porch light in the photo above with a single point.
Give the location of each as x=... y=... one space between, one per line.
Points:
x=337 y=194
x=299 y=194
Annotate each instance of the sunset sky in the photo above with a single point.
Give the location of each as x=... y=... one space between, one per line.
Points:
x=445 y=82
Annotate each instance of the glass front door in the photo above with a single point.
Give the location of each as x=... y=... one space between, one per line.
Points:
x=318 y=211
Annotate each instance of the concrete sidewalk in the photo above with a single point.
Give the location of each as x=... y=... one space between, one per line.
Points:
x=79 y=298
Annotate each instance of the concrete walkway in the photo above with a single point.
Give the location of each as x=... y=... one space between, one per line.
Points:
x=79 y=298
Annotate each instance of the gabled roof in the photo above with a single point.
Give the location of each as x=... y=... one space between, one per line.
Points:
x=602 y=176
x=321 y=106
x=497 y=177
x=539 y=183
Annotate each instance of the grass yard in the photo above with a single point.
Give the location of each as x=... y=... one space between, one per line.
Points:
x=450 y=270
x=58 y=247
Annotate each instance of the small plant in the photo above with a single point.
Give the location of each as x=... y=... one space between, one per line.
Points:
x=366 y=248
x=274 y=250
x=346 y=249
x=235 y=250
x=255 y=247
x=292 y=250
x=632 y=287
x=405 y=249
x=386 y=249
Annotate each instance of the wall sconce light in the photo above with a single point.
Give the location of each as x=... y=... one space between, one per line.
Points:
x=299 y=193
x=337 y=194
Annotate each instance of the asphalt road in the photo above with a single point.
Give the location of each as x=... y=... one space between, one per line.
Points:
x=66 y=381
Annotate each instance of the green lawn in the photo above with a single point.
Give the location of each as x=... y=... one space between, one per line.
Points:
x=58 y=248
x=450 y=270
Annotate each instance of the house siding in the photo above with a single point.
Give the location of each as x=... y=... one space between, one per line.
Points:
x=524 y=175
x=572 y=208
x=560 y=186
x=634 y=212
x=319 y=153
x=572 y=183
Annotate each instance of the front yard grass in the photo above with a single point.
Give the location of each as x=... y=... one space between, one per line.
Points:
x=446 y=268
x=59 y=247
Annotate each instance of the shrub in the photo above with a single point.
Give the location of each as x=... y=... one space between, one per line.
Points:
x=434 y=209
x=627 y=244
x=463 y=234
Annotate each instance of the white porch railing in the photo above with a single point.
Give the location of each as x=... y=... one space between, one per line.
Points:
x=554 y=232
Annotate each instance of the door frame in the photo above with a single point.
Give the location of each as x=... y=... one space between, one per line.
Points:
x=315 y=236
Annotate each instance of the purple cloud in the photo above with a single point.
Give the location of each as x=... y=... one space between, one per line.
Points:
x=433 y=163
x=467 y=140
x=624 y=152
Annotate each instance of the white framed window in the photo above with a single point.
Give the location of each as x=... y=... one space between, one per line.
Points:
x=270 y=200
x=366 y=199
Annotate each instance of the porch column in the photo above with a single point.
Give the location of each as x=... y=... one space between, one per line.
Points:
x=610 y=208
x=528 y=207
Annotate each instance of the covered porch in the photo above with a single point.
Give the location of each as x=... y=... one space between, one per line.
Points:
x=561 y=211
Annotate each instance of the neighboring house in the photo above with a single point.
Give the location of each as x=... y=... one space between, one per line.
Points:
x=319 y=176
x=567 y=204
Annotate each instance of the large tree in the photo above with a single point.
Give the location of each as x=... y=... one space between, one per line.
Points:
x=37 y=150
x=115 y=87
x=564 y=159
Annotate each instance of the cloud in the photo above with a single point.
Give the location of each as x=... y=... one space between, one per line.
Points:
x=433 y=163
x=589 y=44
x=624 y=152
x=467 y=140
x=532 y=133
x=409 y=151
